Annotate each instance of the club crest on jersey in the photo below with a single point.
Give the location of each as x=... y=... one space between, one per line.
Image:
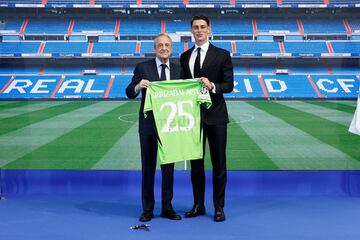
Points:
x=204 y=90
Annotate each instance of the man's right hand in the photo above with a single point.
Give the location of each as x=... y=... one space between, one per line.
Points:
x=142 y=84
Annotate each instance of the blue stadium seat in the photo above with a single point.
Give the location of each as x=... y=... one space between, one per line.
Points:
x=104 y=25
x=224 y=26
x=64 y=48
x=323 y=26
x=177 y=25
x=274 y=24
x=346 y=47
x=256 y=48
x=19 y=47
x=231 y=26
x=122 y=47
x=52 y=26
x=147 y=47
x=354 y=25
x=306 y=48
x=222 y=44
x=178 y=48
x=142 y=26
x=10 y=25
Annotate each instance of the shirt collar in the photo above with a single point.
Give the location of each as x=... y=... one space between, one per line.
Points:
x=204 y=47
x=158 y=63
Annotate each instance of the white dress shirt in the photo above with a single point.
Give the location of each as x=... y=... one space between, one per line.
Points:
x=203 y=51
x=167 y=70
x=158 y=66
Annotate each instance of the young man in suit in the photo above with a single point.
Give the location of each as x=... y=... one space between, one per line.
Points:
x=157 y=69
x=213 y=67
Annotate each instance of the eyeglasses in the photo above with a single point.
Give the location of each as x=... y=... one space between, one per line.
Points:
x=162 y=45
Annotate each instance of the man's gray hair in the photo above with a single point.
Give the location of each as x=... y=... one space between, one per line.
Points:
x=162 y=35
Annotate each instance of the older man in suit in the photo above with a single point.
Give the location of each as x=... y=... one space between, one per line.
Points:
x=157 y=69
x=213 y=67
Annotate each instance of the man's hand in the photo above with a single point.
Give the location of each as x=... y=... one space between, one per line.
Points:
x=142 y=84
x=206 y=83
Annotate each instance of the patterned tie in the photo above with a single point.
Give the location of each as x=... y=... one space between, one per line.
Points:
x=163 y=75
x=197 y=64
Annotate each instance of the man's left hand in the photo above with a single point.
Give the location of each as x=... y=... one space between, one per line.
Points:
x=206 y=83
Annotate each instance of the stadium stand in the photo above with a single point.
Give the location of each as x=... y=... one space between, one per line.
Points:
x=346 y=47
x=256 y=48
x=276 y=25
x=275 y=55
x=323 y=26
x=53 y=26
x=18 y=48
x=64 y=48
x=134 y=48
x=236 y=26
x=233 y=26
x=115 y=48
x=303 y=48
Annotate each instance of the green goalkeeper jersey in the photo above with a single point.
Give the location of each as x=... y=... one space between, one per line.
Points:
x=176 y=108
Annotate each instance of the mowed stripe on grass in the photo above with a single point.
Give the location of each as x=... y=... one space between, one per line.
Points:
x=346 y=102
x=27 y=108
x=14 y=104
x=288 y=147
x=334 y=105
x=82 y=147
x=14 y=123
x=331 y=114
x=18 y=143
x=125 y=153
x=333 y=134
x=242 y=151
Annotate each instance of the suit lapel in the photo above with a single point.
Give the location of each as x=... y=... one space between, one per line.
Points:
x=172 y=71
x=210 y=56
x=154 y=71
x=187 y=60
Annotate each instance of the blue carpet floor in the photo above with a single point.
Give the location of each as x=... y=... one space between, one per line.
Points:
x=103 y=205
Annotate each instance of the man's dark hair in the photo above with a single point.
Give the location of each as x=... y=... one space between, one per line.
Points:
x=200 y=17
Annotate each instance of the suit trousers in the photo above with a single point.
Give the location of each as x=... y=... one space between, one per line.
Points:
x=148 y=144
x=217 y=137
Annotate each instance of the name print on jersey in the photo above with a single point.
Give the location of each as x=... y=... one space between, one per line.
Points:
x=176 y=108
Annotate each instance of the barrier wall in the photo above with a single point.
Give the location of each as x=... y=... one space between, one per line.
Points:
x=113 y=86
x=243 y=183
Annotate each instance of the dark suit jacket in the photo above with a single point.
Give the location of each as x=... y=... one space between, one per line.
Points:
x=148 y=70
x=218 y=68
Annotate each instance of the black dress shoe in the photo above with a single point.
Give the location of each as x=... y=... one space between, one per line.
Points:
x=146 y=217
x=219 y=215
x=197 y=210
x=170 y=214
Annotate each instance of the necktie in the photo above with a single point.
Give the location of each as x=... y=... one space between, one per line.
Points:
x=197 y=64
x=163 y=75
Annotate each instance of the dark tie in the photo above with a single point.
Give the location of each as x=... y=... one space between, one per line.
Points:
x=197 y=64
x=163 y=74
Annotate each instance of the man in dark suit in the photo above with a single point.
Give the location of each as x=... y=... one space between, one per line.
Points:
x=156 y=69
x=213 y=67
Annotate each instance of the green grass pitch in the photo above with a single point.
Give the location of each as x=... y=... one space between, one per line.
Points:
x=262 y=135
